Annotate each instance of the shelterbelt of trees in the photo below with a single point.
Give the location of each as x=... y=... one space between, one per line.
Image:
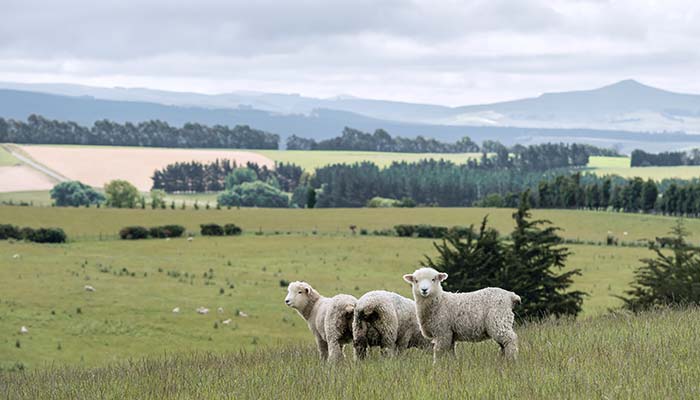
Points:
x=154 y=133
x=641 y=158
x=380 y=140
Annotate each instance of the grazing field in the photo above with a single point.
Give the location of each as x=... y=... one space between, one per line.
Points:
x=310 y=160
x=97 y=165
x=139 y=283
x=621 y=166
x=654 y=355
x=7 y=159
x=90 y=223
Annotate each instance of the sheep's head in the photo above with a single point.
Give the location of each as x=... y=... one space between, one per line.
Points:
x=299 y=295
x=425 y=281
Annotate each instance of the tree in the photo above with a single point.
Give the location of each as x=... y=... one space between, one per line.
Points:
x=121 y=194
x=672 y=277
x=254 y=194
x=311 y=198
x=75 y=194
x=650 y=194
x=157 y=198
x=535 y=256
x=239 y=176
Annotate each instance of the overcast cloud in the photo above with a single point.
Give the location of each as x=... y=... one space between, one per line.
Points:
x=445 y=52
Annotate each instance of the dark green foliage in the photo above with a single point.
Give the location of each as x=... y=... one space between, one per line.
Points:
x=133 y=233
x=152 y=133
x=527 y=265
x=211 y=230
x=239 y=176
x=75 y=194
x=8 y=231
x=232 y=230
x=310 y=198
x=641 y=158
x=254 y=194
x=405 y=202
x=672 y=277
x=46 y=235
x=166 y=231
x=300 y=196
x=405 y=230
x=430 y=231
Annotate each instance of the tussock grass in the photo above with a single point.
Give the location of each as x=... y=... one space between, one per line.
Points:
x=648 y=356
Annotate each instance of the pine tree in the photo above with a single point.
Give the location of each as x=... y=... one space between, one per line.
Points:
x=534 y=257
x=673 y=277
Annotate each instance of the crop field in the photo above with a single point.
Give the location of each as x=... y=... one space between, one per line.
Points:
x=650 y=356
x=310 y=160
x=7 y=159
x=621 y=166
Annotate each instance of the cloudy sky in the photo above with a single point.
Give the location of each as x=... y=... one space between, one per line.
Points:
x=446 y=52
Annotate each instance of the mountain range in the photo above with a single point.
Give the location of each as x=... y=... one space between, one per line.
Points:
x=626 y=114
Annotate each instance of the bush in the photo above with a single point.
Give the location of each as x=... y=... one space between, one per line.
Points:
x=133 y=233
x=121 y=194
x=240 y=176
x=460 y=231
x=166 y=231
x=211 y=230
x=405 y=202
x=232 y=230
x=75 y=194
x=254 y=194
x=430 y=231
x=47 y=235
x=405 y=230
x=8 y=231
x=381 y=202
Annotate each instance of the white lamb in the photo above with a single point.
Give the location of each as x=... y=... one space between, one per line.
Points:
x=448 y=317
x=329 y=318
x=387 y=320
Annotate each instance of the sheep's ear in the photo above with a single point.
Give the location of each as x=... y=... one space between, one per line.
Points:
x=307 y=290
x=442 y=276
x=409 y=278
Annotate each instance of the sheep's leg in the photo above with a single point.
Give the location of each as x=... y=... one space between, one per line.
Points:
x=335 y=351
x=389 y=347
x=443 y=346
x=322 y=348
x=360 y=348
x=509 y=345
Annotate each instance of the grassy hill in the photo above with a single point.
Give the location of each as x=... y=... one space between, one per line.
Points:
x=621 y=166
x=649 y=356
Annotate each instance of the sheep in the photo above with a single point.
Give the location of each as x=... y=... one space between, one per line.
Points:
x=176 y=310
x=226 y=322
x=387 y=320
x=220 y=310
x=23 y=330
x=447 y=317
x=202 y=310
x=329 y=318
x=89 y=288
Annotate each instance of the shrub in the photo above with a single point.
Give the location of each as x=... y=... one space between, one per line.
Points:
x=47 y=235
x=75 y=194
x=8 y=231
x=405 y=202
x=211 y=230
x=26 y=233
x=405 y=230
x=232 y=230
x=240 y=176
x=381 y=202
x=121 y=194
x=430 y=231
x=254 y=194
x=133 y=233
x=166 y=231
x=460 y=231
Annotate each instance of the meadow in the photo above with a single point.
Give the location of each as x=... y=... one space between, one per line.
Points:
x=7 y=159
x=621 y=166
x=139 y=283
x=649 y=356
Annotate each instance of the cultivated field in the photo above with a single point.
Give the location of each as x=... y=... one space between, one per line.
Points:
x=621 y=166
x=97 y=165
x=651 y=356
x=7 y=159
x=140 y=282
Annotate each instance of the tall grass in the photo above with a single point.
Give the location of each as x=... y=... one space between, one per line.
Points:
x=654 y=355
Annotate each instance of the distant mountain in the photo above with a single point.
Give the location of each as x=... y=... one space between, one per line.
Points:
x=321 y=123
x=627 y=105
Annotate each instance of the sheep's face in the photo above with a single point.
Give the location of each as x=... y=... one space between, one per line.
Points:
x=425 y=281
x=298 y=295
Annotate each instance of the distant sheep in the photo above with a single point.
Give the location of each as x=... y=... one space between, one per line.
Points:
x=89 y=288
x=202 y=310
x=448 y=317
x=387 y=320
x=226 y=322
x=176 y=310
x=220 y=310
x=329 y=318
x=23 y=330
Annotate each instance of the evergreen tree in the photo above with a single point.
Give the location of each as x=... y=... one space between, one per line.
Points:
x=673 y=277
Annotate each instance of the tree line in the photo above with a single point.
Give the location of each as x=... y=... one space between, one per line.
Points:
x=640 y=158
x=380 y=140
x=154 y=133
x=194 y=176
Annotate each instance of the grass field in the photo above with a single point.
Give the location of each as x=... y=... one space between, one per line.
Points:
x=621 y=166
x=651 y=356
x=82 y=223
x=7 y=159
x=139 y=282
x=35 y=197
